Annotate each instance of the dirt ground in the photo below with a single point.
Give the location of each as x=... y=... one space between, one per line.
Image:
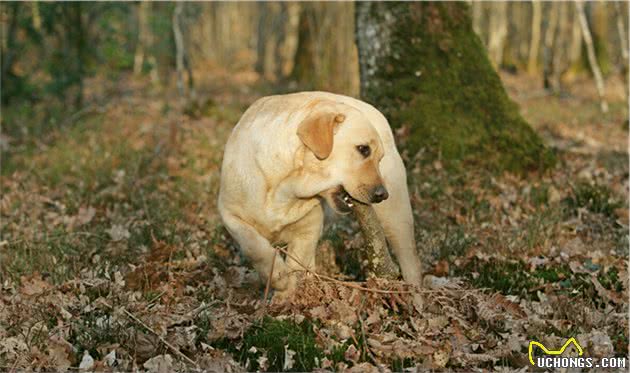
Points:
x=113 y=257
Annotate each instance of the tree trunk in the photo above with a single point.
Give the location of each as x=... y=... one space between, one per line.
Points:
x=592 y=58
x=497 y=32
x=534 y=46
x=423 y=66
x=326 y=56
x=575 y=47
x=143 y=29
x=9 y=52
x=549 y=46
x=623 y=40
x=179 y=48
x=559 y=61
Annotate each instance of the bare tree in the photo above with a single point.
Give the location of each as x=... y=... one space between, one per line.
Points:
x=181 y=56
x=550 y=48
x=497 y=29
x=326 y=57
x=179 y=46
x=592 y=58
x=534 y=46
x=623 y=39
x=37 y=18
x=575 y=47
x=559 y=60
x=145 y=43
x=276 y=39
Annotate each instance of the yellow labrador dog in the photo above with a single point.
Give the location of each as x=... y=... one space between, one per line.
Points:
x=290 y=154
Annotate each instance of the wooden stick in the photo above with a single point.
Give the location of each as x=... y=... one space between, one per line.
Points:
x=375 y=254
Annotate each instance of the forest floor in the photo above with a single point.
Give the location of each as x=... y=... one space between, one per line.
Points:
x=112 y=255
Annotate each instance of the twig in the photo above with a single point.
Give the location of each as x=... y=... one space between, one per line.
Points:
x=321 y=277
x=170 y=346
x=53 y=237
x=273 y=262
x=363 y=334
x=343 y=283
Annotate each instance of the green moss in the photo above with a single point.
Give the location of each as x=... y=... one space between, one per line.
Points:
x=438 y=80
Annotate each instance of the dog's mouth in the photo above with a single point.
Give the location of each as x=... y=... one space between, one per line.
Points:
x=343 y=200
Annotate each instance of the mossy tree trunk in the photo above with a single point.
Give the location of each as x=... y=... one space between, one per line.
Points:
x=424 y=67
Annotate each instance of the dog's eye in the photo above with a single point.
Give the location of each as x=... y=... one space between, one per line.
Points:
x=364 y=150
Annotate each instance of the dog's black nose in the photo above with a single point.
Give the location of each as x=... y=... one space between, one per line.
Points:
x=379 y=194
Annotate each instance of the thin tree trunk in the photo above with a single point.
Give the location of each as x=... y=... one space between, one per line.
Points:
x=138 y=59
x=524 y=29
x=9 y=40
x=550 y=48
x=561 y=49
x=179 y=48
x=262 y=40
x=497 y=31
x=145 y=44
x=477 y=14
x=37 y=19
x=623 y=39
x=575 y=48
x=621 y=29
x=592 y=59
x=534 y=46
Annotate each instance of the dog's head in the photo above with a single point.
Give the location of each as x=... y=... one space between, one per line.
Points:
x=346 y=146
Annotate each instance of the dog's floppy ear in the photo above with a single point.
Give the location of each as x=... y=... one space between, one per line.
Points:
x=317 y=130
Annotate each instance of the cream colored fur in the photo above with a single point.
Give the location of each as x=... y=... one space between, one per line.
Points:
x=279 y=169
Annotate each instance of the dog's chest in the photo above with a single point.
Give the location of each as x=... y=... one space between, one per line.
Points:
x=275 y=218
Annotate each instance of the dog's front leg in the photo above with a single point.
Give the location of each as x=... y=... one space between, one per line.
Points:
x=302 y=238
x=396 y=218
x=258 y=249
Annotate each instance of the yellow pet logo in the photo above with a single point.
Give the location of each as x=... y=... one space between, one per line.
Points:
x=553 y=352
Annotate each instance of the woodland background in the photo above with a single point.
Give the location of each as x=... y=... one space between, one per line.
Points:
x=112 y=256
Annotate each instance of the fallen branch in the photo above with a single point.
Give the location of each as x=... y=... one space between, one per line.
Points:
x=375 y=258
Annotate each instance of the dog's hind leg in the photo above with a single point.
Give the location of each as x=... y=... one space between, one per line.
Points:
x=258 y=249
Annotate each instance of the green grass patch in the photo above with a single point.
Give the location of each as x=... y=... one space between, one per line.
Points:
x=593 y=197
x=454 y=243
x=515 y=278
x=270 y=337
x=93 y=330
